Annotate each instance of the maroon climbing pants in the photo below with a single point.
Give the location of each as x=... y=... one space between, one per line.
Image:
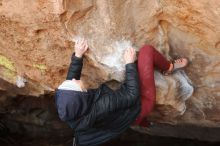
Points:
x=148 y=59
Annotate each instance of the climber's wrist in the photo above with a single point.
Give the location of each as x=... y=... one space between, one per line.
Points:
x=78 y=55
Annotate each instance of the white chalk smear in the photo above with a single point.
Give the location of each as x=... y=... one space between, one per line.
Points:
x=116 y=58
x=183 y=85
x=20 y=82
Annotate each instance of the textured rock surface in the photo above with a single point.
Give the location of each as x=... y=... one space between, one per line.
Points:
x=36 y=42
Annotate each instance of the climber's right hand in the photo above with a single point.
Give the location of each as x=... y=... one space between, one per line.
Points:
x=81 y=47
x=130 y=56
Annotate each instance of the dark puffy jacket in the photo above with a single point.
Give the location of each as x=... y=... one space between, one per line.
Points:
x=110 y=112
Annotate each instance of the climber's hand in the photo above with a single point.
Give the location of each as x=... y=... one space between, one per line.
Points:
x=81 y=47
x=130 y=56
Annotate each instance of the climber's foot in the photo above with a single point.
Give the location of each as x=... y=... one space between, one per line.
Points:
x=176 y=65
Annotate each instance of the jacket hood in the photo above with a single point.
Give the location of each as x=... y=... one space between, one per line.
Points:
x=71 y=105
x=69 y=85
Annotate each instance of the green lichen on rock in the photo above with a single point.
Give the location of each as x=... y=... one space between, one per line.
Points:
x=9 y=74
x=41 y=67
x=4 y=61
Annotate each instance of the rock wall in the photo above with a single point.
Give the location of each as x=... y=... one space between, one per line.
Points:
x=36 y=42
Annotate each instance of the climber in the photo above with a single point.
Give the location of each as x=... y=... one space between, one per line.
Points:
x=97 y=115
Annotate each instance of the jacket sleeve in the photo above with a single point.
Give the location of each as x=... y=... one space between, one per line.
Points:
x=128 y=94
x=75 y=68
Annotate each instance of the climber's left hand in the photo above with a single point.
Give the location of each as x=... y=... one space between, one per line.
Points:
x=81 y=47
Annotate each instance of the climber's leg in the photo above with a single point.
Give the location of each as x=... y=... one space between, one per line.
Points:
x=147 y=59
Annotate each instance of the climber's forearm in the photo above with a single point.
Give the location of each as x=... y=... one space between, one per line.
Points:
x=75 y=68
x=76 y=64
